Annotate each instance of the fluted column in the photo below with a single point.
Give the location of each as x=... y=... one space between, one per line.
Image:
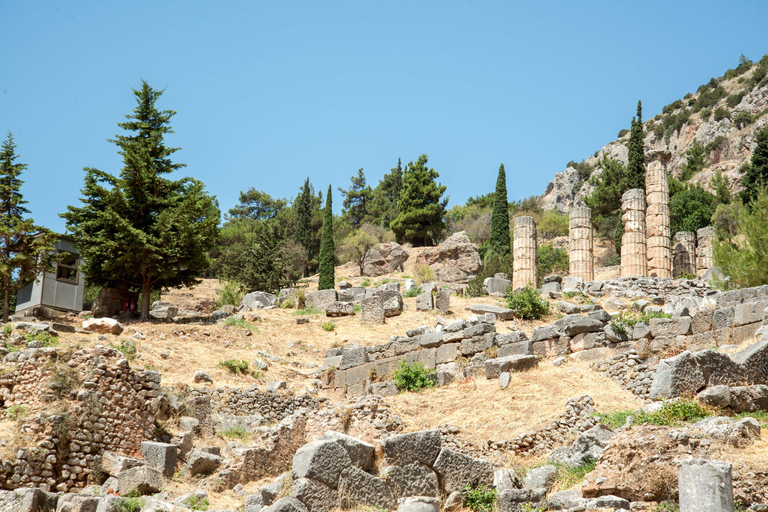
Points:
x=580 y=244
x=524 y=253
x=633 y=250
x=658 y=243
x=684 y=253
x=704 y=259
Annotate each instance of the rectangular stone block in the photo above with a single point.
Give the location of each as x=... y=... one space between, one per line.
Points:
x=431 y=339
x=427 y=357
x=331 y=361
x=387 y=366
x=588 y=340
x=702 y=321
x=510 y=337
x=403 y=347
x=160 y=456
x=476 y=344
x=524 y=348
x=593 y=354
x=450 y=337
x=553 y=347
x=448 y=352
x=723 y=317
x=351 y=357
x=358 y=374
x=749 y=312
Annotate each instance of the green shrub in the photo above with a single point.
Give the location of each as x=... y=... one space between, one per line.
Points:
x=289 y=303
x=424 y=274
x=234 y=366
x=614 y=419
x=230 y=294
x=625 y=321
x=413 y=377
x=132 y=502
x=528 y=303
x=241 y=323
x=623 y=132
x=17 y=412
x=329 y=326
x=721 y=113
x=742 y=119
x=684 y=275
x=413 y=292
x=550 y=260
x=673 y=413
x=128 y=349
x=198 y=503
x=552 y=225
x=366 y=282
x=237 y=432
x=492 y=265
x=46 y=338
x=735 y=99
x=480 y=499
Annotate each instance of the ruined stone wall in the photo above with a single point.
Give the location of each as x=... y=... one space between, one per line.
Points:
x=633 y=242
x=524 y=251
x=581 y=244
x=272 y=406
x=684 y=253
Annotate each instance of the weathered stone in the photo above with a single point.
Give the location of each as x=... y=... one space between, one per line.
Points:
x=504 y=380
x=103 y=326
x=512 y=500
x=705 y=485
x=254 y=503
x=633 y=241
x=340 y=309
x=414 y=479
x=418 y=504
x=442 y=301
x=677 y=376
x=404 y=449
x=360 y=453
x=684 y=253
x=716 y=396
x=545 y=333
x=540 y=478
x=456 y=260
x=754 y=361
x=320 y=299
x=495 y=286
x=314 y=494
x=201 y=462
x=519 y=348
x=587 y=447
x=524 y=252
x=580 y=244
x=457 y=471
x=704 y=260
x=144 y=479
x=391 y=300
x=384 y=259
x=424 y=302
x=502 y=313
x=718 y=368
x=160 y=456
x=257 y=300
x=476 y=344
x=372 y=311
x=516 y=363
x=572 y=325
x=321 y=460
x=356 y=487
x=286 y=505
x=113 y=464
x=202 y=377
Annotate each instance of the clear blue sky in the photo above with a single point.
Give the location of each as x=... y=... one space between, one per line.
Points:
x=269 y=93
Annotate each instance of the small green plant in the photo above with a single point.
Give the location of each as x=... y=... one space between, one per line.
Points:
x=623 y=323
x=257 y=374
x=366 y=282
x=480 y=499
x=614 y=419
x=331 y=371
x=424 y=274
x=671 y=414
x=240 y=323
x=131 y=502
x=690 y=277
x=46 y=338
x=231 y=294
x=234 y=366
x=198 y=503
x=237 y=432
x=289 y=303
x=413 y=377
x=669 y=506
x=7 y=330
x=413 y=292
x=358 y=309
x=306 y=311
x=16 y=412
x=567 y=477
x=128 y=349
x=329 y=326
x=528 y=303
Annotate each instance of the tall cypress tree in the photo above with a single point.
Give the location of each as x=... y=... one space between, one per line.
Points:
x=421 y=209
x=636 y=151
x=756 y=174
x=498 y=243
x=26 y=250
x=303 y=233
x=327 y=268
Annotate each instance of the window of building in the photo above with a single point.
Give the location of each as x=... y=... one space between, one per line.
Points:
x=66 y=269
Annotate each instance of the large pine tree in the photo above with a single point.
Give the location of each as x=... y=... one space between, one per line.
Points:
x=498 y=243
x=386 y=197
x=421 y=208
x=357 y=199
x=756 y=174
x=636 y=152
x=26 y=250
x=140 y=229
x=327 y=265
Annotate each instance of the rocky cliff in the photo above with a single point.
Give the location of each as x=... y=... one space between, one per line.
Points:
x=723 y=116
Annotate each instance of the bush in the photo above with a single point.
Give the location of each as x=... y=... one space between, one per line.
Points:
x=673 y=413
x=742 y=119
x=528 y=303
x=550 y=260
x=234 y=366
x=413 y=377
x=721 y=113
x=413 y=292
x=625 y=320
x=553 y=225
x=623 y=132
x=329 y=326
x=480 y=499
x=237 y=432
x=230 y=294
x=691 y=209
x=492 y=265
x=424 y=274
x=198 y=503
x=735 y=99
x=128 y=349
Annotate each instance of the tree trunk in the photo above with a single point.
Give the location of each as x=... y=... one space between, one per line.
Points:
x=146 y=289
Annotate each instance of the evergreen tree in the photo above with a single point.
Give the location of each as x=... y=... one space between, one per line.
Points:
x=384 y=207
x=756 y=171
x=720 y=185
x=421 y=208
x=140 y=229
x=356 y=200
x=257 y=205
x=609 y=186
x=262 y=265
x=303 y=232
x=26 y=250
x=636 y=152
x=327 y=267
x=498 y=243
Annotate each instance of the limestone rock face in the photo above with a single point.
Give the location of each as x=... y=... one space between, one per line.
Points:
x=454 y=261
x=384 y=259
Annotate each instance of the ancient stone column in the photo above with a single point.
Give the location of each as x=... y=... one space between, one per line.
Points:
x=580 y=244
x=657 y=215
x=704 y=259
x=633 y=255
x=524 y=250
x=684 y=253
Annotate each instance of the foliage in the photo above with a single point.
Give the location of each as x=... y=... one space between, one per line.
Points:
x=721 y=113
x=257 y=257
x=17 y=412
x=726 y=220
x=744 y=259
x=612 y=182
x=492 y=265
x=329 y=326
x=140 y=229
x=236 y=432
x=424 y=274
x=128 y=348
x=240 y=323
x=499 y=242
x=480 y=499
x=622 y=133
x=199 y=502
x=735 y=99
x=756 y=171
x=386 y=196
x=636 y=152
x=26 y=249
x=47 y=339
x=258 y=205
x=673 y=413
x=550 y=260
x=697 y=159
x=327 y=266
x=720 y=185
x=474 y=220
x=357 y=244
x=719 y=143
x=421 y=208
x=710 y=95
x=568 y=476
x=625 y=320
x=413 y=377
x=614 y=419
x=552 y=225
x=303 y=233
x=742 y=119
x=234 y=366
x=413 y=292
x=691 y=209
x=231 y=293
x=356 y=200
x=527 y=303
x=129 y=504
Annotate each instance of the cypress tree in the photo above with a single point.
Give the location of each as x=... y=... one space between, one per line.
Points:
x=498 y=243
x=636 y=152
x=421 y=209
x=327 y=278
x=303 y=233
x=756 y=174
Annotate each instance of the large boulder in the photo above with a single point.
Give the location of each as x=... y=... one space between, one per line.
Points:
x=315 y=495
x=321 y=460
x=515 y=363
x=384 y=259
x=423 y=446
x=257 y=300
x=160 y=456
x=320 y=299
x=754 y=361
x=356 y=487
x=454 y=261
x=458 y=471
x=200 y=462
x=677 y=376
x=103 y=326
x=286 y=505
x=391 y=300
x=144 y=479
x=360 y=452
x=413 y=479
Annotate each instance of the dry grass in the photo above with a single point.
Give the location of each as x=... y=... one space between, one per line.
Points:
x=533 y=400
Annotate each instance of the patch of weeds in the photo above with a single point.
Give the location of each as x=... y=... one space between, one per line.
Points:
x=413 y=292
x=424 y=274
x=306 y=311
x=614 y=419
x=625 y=320
x=328 y=326
x=414 y=377
x=17 y=412
x=198 y=503
x=237 y=432
x=760 y=416
x=231 y=294
x=331 y=371
x=480 y=499
x=673 y=413
x=128 y=349
x=528 y=303
x=46 y=338
x=373 y=374
x=645 y=317
x=358 y=309
x=690 y=277
x=257 y=374
x=669 y=506
x=63 y=380
x=366 y=282
x=568 y=477
x=132 y=502
x=150 y=366
x=7 y=330
x=234 y=366
x=241 y=323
